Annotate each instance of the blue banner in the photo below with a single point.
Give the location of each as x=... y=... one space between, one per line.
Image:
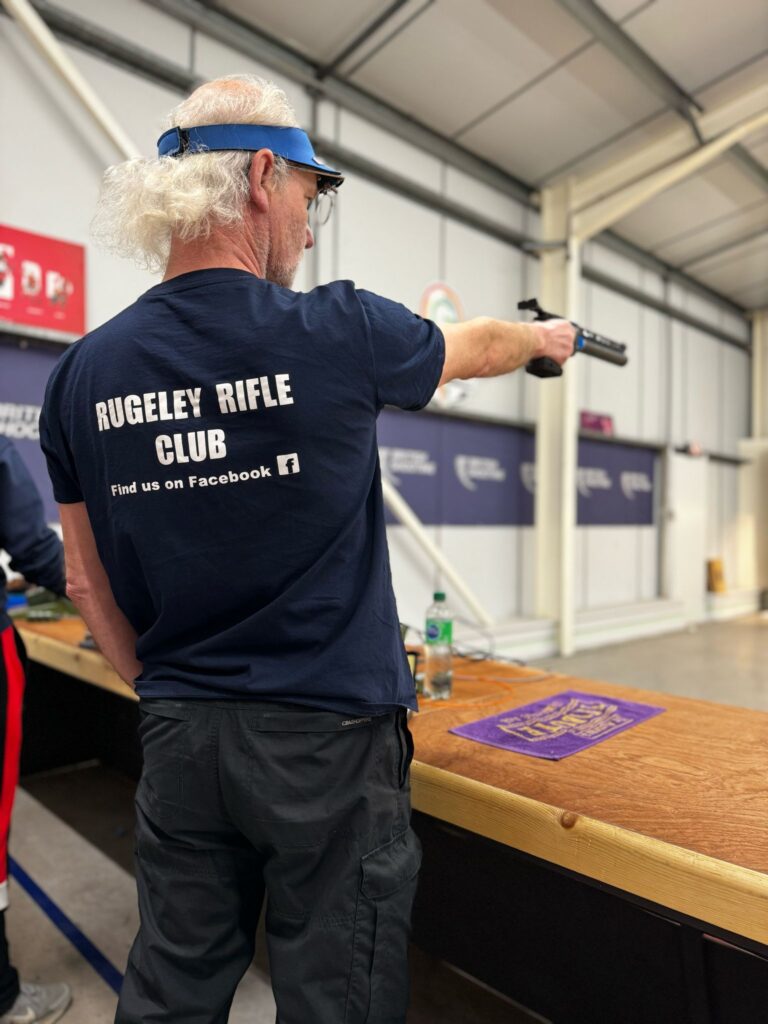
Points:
x=615 y=484
x=23 y=376
x=456 y=472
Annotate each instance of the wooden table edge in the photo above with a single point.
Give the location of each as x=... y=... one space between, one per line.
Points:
x=716 y=892
x=89 y=666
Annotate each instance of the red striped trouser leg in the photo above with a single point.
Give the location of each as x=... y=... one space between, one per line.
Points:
x=11 y=698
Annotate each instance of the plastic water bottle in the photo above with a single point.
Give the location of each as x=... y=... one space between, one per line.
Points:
x=438 y=637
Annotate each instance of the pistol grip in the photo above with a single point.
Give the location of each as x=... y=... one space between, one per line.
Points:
x=544 y=367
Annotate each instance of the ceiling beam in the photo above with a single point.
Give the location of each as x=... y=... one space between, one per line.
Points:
x=362 y=37
x=751 y=166
x=668 y=147
x=735 y=243
x=626 y=50
x=634 y=57
x=590 y=219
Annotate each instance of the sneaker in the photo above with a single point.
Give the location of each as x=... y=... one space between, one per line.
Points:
x=38 y=1004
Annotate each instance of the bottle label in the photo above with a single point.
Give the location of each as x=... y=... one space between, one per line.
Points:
x=439 y=631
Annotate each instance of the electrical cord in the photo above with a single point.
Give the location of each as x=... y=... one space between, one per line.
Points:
x=472 y=653
x=510 y=687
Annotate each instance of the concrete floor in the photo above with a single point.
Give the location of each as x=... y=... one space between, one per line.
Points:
x=72 y=833
x=725 y=662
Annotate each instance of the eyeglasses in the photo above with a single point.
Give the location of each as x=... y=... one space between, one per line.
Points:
x=321 y=207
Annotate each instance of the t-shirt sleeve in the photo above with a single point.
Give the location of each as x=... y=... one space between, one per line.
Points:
x=408 y=352
x=35 y=550
x=53 y=441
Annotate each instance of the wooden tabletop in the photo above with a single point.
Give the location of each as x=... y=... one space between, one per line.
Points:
x=674 y=810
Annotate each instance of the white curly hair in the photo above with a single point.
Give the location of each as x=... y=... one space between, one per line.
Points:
x=143 y=203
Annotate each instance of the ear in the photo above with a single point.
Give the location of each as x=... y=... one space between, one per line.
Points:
x=261 y=178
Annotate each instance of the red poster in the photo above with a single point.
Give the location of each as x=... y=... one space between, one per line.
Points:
x=42 y=281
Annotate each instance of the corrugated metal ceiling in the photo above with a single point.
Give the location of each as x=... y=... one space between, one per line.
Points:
x=524 y=84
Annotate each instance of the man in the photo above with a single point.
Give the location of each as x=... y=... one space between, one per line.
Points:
x=213 y=449
x=35 y=552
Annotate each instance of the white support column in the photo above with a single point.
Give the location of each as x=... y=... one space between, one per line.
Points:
x=753 y=475
x=760 y=374
x=557 y=430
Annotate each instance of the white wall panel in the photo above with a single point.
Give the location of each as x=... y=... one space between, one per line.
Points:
x=735 y=398
x=723 y=519
x=653 y=355
x=327 y=120
x=652 y=283
x=139 y=105
x=385 y=243
x=701 y=308
x=32 y=102
x=648 y=563
x=325 y=251
x=610 y=564
x=678 y=363
x=489 y=560
x=527 y=563
x=138 y=23
x=609 y=389
x=598 y=257
x=735 y=325
x=676 y=295
x=381 y=146
x=714 y=511
x=581 y=570
x=487 y=275
x=702 y=384
x=729 y=524
x=616 y=565
x=413 y=574
x=483 y=199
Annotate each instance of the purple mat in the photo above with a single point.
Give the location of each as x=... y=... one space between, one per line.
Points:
x=558 y=726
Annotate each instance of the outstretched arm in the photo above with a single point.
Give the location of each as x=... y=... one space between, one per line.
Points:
x=485 y=347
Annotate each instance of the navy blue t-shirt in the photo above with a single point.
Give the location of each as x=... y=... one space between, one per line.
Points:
x=222 y=433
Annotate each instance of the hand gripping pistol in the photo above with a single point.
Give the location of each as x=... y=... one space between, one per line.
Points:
x=587 y=341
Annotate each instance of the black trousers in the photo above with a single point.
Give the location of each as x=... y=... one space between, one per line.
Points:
x=310 y=808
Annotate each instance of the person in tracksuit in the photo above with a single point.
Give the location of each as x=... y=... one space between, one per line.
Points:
x=213 y=451
x=37 y=554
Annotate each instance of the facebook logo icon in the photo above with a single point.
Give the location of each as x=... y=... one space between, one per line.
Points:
x=287 y=464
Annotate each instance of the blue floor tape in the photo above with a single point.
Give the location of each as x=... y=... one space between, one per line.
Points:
x=83 y=945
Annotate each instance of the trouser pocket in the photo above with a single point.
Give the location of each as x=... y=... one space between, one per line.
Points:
x=405 y=745
x=379 y=984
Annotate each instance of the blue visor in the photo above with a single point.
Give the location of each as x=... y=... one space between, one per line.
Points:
x=290 y=143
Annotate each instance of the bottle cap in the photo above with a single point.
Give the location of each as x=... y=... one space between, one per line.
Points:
x=439 y=595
